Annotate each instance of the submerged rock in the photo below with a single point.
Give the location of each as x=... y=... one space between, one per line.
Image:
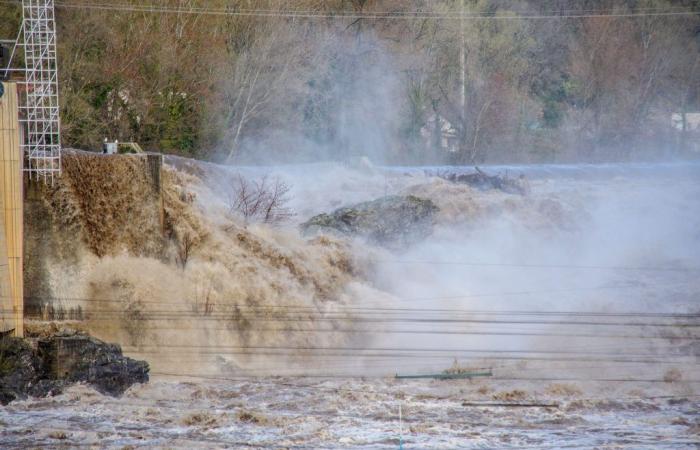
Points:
x=482 y=181
x=43 y=366
x=391 y=221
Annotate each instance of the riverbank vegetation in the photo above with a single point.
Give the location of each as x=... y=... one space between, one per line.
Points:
x=439 y=81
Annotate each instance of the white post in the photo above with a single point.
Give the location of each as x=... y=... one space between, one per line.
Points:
x=400 y=429
x=462 y=64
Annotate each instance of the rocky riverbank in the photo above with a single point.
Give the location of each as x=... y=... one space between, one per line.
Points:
x=41 y=366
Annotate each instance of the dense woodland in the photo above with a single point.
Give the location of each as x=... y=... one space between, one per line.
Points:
x=469 y=85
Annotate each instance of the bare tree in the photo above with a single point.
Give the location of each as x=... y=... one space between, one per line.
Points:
x=208 y=85
x=204 y=303
x=264 y=73
x=184 y=250
x=260 y=201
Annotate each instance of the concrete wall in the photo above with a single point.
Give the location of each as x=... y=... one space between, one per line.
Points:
x=101 y=205
x=40 y=248
x=11 y=221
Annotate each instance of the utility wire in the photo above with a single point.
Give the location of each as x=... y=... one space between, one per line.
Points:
x=393 y=351
x=540 y=266
x=137 y=316
x=370 y=331
x=352 y=378
x=221 y=302
x=151 y=8
x=411 y=359
x=197 y=308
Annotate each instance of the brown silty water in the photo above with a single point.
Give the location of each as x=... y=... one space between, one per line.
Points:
x=106 y=246
x=158 y=263
x=540 y=288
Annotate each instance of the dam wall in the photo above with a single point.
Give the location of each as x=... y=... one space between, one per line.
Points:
x=101 y=205
x=11 y=283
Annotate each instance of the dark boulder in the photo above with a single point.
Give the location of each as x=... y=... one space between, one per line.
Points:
x=390 y=221
x=20 y=369
x=54 y=362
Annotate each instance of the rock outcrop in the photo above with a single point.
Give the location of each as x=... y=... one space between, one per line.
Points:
x=392 y=221
x=482 y=181
x=43 y=366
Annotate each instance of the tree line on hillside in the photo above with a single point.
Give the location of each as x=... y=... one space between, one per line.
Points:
x=460 y=82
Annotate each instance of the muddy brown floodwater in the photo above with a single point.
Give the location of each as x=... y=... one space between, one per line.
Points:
x=361 y=413
x=582 y=297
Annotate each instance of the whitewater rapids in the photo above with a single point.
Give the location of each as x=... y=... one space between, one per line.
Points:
x=582 y=297
x=359 y=413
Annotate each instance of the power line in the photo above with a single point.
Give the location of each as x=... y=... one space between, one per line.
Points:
x=371 y=331
x=557 y=379
x=540 y=266
x=231 y=317
x=397 y=351
x=392 y=359
x=412 y=15
x=389 y=353
x=338 y=312
x=403 y=15
x=193 y=310
x=264 y=315
x=406 y=13
x=111 y=315
x=361 y=307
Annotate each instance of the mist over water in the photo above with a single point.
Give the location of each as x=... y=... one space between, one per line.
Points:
x=497 y=285
x=593 y=267
x=620 y=240
x=582 y=232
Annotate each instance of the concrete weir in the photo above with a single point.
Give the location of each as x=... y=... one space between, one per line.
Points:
x=100 y=204
x=103 y=205
x=11 y=221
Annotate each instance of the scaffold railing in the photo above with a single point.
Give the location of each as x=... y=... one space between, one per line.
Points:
x=39 y=102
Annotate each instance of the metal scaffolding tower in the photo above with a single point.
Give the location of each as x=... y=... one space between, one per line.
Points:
x=42 y=139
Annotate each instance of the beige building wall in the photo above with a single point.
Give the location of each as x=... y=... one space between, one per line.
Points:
x=11 y=223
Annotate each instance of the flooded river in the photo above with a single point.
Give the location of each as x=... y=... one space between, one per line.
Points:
x=582 y=298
